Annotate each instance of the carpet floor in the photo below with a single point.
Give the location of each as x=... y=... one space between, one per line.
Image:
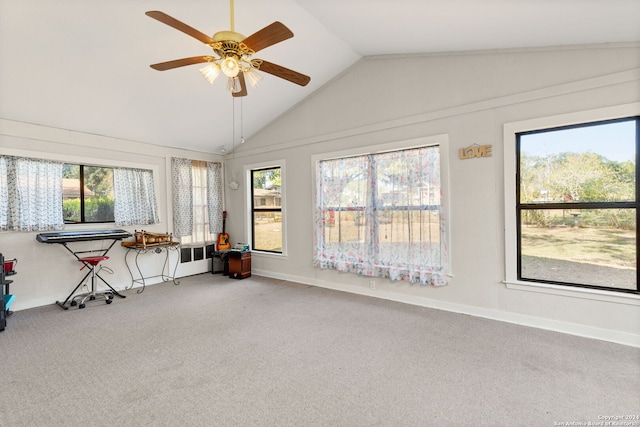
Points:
x=214 y=351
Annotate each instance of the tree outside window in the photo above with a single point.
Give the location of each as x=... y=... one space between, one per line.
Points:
x=87 y=194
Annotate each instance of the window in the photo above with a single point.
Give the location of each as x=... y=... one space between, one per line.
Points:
x=577 y=205
x=266 y=210
x=197 y=201
x=382 y=215
x=87 y=194
x=40 y=195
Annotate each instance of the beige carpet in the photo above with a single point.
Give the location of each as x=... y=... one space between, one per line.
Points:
x=215 y=351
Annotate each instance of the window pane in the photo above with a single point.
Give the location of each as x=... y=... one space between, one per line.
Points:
x=71 y=193
x=345 y=182
x=409 y=226
x=266 y=189
x=584 y=164
x=98 y=196
x=410 y=235
x=585 y=246
x=344 y=226
x=267 y=231
x=267 y=214
x=408 y=177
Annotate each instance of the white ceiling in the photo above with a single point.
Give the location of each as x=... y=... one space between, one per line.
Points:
x=84 y=64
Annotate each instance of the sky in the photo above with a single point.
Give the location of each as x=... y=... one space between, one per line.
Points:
x=615 y=141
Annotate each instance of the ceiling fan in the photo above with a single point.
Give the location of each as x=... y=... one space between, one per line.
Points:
x=233 y=54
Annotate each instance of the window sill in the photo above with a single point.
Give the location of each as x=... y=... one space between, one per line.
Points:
x=592 y=294
x=268 y=254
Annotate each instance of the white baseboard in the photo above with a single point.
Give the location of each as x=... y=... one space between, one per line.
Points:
x=618 y=337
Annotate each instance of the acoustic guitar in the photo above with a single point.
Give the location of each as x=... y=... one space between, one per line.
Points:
x=223 y=238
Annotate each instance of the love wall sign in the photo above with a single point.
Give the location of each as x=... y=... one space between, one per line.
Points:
x=475 y=151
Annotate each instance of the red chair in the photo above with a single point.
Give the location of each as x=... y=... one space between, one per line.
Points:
x=92 y=262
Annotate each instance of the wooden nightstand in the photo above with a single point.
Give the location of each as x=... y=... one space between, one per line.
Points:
x=239 y=264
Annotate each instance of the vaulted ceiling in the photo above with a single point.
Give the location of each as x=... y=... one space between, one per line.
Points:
x=84 y=64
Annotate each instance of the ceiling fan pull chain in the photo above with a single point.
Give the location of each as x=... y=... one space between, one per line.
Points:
x=241 y=123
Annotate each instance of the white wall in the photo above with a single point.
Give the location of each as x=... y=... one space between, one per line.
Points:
x=48 y=272
x=470 y=98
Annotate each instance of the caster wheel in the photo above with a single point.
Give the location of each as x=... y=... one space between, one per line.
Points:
x=109 y=301
x=110 y=297
x=73 y=303
x=92 y=297
x=81 y=306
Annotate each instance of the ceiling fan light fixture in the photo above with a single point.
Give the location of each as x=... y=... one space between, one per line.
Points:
x=230 y=66
x=252 y=76
x=210 y=71
x=233 y=84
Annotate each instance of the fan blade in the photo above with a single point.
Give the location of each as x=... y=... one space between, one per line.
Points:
x=163 y=66
x=180 y=26
x=284 y=73
x=243 y=86
x=268 y=36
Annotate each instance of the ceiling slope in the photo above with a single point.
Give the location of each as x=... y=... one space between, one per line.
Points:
x=84 y=65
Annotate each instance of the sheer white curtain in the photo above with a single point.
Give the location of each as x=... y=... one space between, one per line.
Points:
x=182 y=197
x=381 y=215
x=30 y=194
x=200 y=233
x=135 y=197
x=214 y=197
x=197 y=201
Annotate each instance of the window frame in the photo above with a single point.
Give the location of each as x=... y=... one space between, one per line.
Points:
x=250 y=208
x=521 y=207
x=513 y=278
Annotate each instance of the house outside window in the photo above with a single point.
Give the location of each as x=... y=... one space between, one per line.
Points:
x=577 y=204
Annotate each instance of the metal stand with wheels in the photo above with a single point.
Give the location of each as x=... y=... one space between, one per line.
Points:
x=71 y=299
x=92 y=262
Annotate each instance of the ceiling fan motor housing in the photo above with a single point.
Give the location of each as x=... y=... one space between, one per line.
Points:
x=229 y=43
